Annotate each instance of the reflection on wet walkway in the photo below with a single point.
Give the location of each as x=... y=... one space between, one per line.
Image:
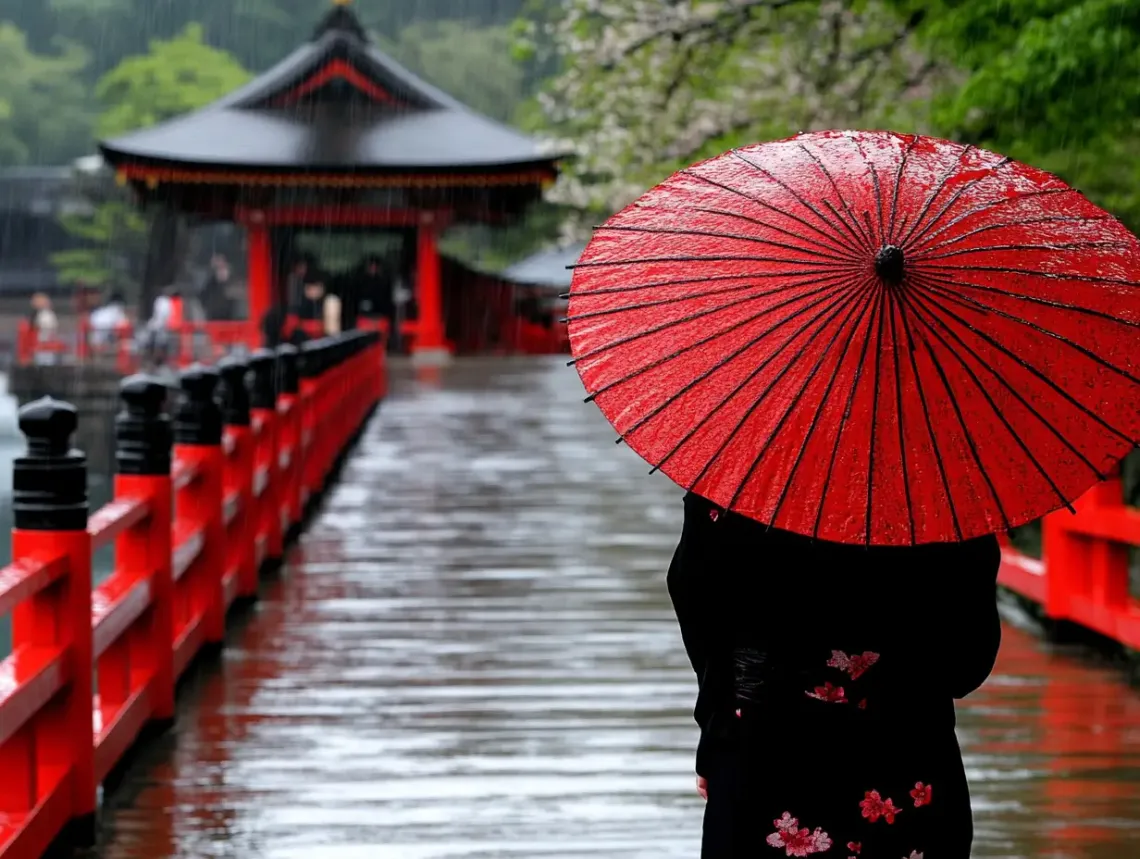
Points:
x=472 y=655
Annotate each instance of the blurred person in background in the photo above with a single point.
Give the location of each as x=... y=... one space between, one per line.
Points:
x=44 y=325
x=217 y=300
x=318 y=313
x=109 y=320
x=374 y=289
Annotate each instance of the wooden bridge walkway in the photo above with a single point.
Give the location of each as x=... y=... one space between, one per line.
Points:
x=471 y=654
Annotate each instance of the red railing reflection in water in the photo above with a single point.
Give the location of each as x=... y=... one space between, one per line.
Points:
x=192 y=522
x=1083 y=574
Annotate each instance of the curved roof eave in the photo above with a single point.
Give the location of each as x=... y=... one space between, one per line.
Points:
x=238 y=132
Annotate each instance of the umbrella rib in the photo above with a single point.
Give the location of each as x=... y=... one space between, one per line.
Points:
x=930 y=306
x=922 y=247
x=712 y=234
x=825 y=250
x=720 y=333
x=874 y=419
x=934 y=194
x=1004 y=201
x=957 y=195
x=899 y=409
x=1043 y=246
x=834 y=308
x=1084 y=278
x=661 y=302
x=853 y=224
x=852 y=294
x=857 y=234
x=1045 y=302
x=865 y=289
x=715 y=258
x=816 y=416
x=878 y=193
x=938 y=368
x=921 y=315
x=700 y=314
x=802 y=200
x=978 y=307
x=844 y=418
x=613 y=290
x=1088 y=353
x=829 y=236
x=930 y=429
x=723 y=362
x=898 y=183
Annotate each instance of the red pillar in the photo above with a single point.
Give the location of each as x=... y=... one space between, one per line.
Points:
x=259 y=267
x=430 y=344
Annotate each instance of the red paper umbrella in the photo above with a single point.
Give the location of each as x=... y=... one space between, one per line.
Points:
x=866 y=337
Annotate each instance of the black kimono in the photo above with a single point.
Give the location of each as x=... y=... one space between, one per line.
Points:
x=827 y=675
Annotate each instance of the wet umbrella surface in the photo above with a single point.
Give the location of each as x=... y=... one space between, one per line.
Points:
x=472 y=655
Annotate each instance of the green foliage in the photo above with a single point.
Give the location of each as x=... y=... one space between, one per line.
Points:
x=472 y=64
x=43 y=103
x=1052 y=82
x=114 y=232
x=176 y=76
x=649 y=86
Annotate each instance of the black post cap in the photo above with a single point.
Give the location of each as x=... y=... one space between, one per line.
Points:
x=199 y=417
x=143 y=433
x=312 y=355
x=287 y=357
x=235 y=393
x=263 y=391
x=49 y=483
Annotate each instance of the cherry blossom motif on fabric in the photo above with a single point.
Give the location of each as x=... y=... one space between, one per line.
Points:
x=921 y=794
x=827 y=692
x=797 y=840
x=855 y=848
x=875 y=807
x=856 y=665
x=914 y=854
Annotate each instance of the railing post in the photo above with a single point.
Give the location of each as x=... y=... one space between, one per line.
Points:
x=144 y=442
x=198 y=437
x=309 y=370
x=263 y=405
x=289 y=437
x=241 y=524
x=49 y=504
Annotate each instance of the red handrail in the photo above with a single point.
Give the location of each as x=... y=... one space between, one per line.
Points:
x=236 y=494
x=1083 y=574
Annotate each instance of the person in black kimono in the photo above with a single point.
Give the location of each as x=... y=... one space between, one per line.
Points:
x=827 y=677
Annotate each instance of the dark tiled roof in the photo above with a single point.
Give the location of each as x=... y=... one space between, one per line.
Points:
x=250 y=128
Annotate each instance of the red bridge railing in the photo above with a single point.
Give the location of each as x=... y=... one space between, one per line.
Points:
x=1084 y=571
x=202 y=504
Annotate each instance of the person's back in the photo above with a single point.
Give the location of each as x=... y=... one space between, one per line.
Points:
x=828 y=674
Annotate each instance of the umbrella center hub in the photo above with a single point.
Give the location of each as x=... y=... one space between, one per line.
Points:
x=890 y=263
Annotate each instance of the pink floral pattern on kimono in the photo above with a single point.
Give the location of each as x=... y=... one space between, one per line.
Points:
x=797 y=840
x=855 y=665
x=875 y=807
x=914 y=854
x=827 y=692
x=921 y=794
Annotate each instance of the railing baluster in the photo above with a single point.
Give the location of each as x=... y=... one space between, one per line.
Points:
x=144 y=437
x=49 y=502
x=198 y=438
